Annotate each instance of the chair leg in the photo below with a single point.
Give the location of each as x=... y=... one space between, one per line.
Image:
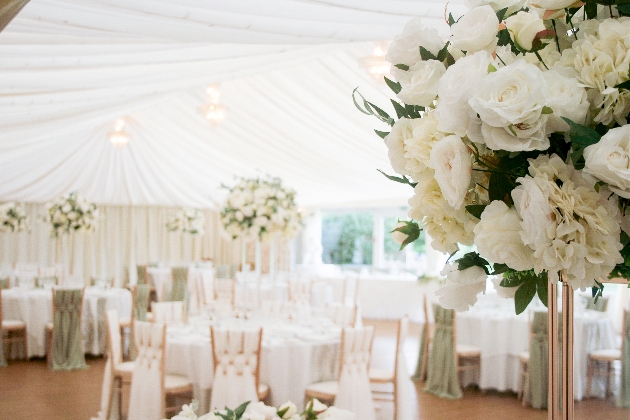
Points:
x=589 y=378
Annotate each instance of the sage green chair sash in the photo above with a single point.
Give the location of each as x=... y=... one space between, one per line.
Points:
x=624 y=391
x=5 y=283
x=141 y=303
x=601 y=305
x=179 y=287
x=67 y=351
x=423 y=343
x=442 y=378
x=41 y=282
x=223 y=271
x=538 y=360
x=3 y=360
x=141 y=272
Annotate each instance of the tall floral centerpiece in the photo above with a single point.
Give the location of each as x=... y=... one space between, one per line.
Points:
x=261 y=209
x=187 y=220
x=68 y=214
x=513 y=135
x=13 y=218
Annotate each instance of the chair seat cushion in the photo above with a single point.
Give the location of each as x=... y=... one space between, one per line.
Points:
x=150 y=317
x=605 y=354
x=524 y=357
x=381 y=375
x=13 y=324
x=464 y=350
x=125 y=370
x=124 y=322
x=176 y=383
x=323 y=390
x=50 y=326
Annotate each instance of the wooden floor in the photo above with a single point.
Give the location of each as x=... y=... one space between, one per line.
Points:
x=29 y=390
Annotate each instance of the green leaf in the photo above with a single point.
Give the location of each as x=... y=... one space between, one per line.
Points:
x=426 y=54
x=504 y=38
x=403 y=180
x=401 y=111
x=499 y=269
x=443 y=52
x=451 y=21
x=500 y=187
x=625 y=85
x=501 y=14
x=542 y=287
x=599 y=184
x=581 y=137
x=381 y=134
x=472 y=259
x=414 y=110
x=624 y=9
x=524 y=295
x=238 y=412
x=394 y=86
x=412 y=230
x=402 y=66
x=546 y=110
x=371 y=109
x=476 y=209
x=281 y=413
x=509 y=281
x=591 y=9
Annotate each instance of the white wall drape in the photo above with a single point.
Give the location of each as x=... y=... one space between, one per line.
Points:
x=126 y=236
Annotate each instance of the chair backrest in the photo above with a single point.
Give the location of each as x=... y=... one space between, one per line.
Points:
x=46 y=282
x=141 y=273
x=114 y=341
x=355 y=393
x=105 y=282
x=442 y=377
x=300 y=290
x=207 y=284
x=596 y=304
x=168 y=312
x=225 y=290
x=350 y=293
x=342 y=315
x=236 y=355
x=223 y=271
x=25 y=280
x=179 y=284
x=47 y=271
x=403 y=388
x=147 y=399
x=624 y=391
x=140 y=301
x=67 y=348
x=5 y=283
x=538 y=359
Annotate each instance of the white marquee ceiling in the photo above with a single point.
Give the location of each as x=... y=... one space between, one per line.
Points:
x=286 y=67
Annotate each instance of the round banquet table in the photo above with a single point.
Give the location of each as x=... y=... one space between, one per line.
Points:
x=35 y=308
x=294 y=355
x=502 y=336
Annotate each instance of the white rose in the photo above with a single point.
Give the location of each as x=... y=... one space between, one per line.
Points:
x=554 y=4
x=259 y=411
x=420 y=83
x=566 y=98
x=334 y=413
x=398 y=236
x=248 y=211
x=512 y=100
x=401 y=143
x=462 y=287
x=609 y=160
x=476 y=30
x=455 y=89
x=290 y=408
x=532 y=205
x=451 y=162
x=523 y=28
x=498 y=238
x=405 y=47
x=66 y=208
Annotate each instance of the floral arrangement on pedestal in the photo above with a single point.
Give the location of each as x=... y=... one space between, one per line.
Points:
x=260 y=208
x=187 y=220
x=513 y=134
x=13 y=218
x=315 y=410
x=71 y=213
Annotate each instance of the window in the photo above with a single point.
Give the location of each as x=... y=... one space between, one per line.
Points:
x=347 y=238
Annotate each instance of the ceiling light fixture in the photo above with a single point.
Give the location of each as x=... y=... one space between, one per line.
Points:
x=212 y=111
x=118 y=137
x=376 y=64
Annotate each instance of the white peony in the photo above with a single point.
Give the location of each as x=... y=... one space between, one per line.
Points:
x=497 y=237
x=335 y=413
x=452 y=111
x=532 y=205
x=462 y=287
x=476 y=30
x=512 y=5
x=510 y=103
x=419 y=84
x=566 y=98
x=609 y=160
x=523 y=27
x=452 y=164
x=405 y=47
x=259 y=411
x=553 y=4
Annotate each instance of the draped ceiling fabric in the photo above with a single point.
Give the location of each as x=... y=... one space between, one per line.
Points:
x=286 y=67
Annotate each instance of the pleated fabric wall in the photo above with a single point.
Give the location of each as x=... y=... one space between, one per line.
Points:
x=126 y=236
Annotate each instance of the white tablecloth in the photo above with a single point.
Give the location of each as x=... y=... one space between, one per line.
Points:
x=501 y=335
x=294 y=354
x=35 y=308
